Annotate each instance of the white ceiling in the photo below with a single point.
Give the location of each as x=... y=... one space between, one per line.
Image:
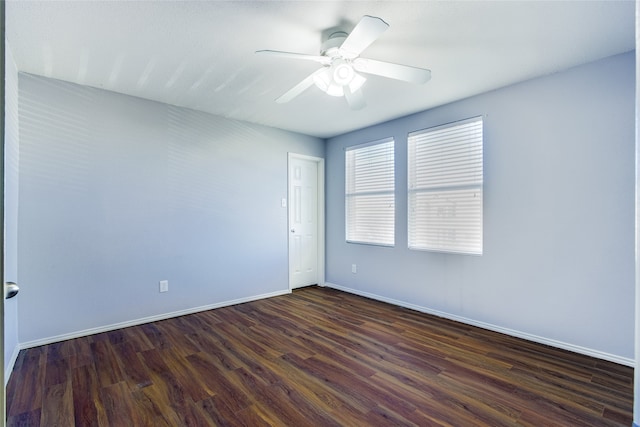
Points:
x=200 y=54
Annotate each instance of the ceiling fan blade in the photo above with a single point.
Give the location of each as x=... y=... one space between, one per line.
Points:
x=366 y=32
x=354 y=99
x=316 y=58
x=393 y=71
x=299 y=88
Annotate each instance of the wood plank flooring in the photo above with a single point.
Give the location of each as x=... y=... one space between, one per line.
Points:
x=316 y=357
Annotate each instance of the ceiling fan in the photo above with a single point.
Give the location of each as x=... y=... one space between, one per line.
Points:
x=342 y=64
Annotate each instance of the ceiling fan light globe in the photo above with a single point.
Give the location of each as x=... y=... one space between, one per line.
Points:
x=335 y=90
x=357 y=82
x=322 y=81
x=343 y=73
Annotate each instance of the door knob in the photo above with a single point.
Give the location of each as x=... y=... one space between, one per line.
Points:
x=293 y=230
x=10 y=290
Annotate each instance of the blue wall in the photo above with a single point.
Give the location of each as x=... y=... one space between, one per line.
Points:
x=558 y=262
x=118 y=193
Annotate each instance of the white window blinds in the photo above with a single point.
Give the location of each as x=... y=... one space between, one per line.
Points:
x=369 y=193
x=445 y=187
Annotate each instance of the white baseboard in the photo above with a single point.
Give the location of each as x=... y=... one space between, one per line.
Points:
x=512 y=332
x=535 y=338
x=114 y=326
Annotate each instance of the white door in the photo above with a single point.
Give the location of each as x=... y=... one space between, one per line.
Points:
x=2 y=214
x=303 y=222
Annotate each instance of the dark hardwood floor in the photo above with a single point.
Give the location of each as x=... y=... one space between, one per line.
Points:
x=316 y=357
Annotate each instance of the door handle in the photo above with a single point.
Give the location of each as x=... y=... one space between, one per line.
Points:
x=10 y=290
x=293 y=230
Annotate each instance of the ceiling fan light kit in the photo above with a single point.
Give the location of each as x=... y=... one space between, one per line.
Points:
x=342 y=66
x=334 y=79
x=342 y=72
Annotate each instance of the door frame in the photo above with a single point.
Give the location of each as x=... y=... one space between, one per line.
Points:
x=320 y=214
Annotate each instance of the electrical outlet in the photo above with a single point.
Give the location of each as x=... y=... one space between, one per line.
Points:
x=354 y=268
x=164 y=286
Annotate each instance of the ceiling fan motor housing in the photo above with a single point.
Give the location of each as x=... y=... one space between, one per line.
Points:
x=331 y=46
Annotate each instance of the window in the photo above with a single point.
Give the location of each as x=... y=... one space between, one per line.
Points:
x=445 y=188
x=369 y=193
